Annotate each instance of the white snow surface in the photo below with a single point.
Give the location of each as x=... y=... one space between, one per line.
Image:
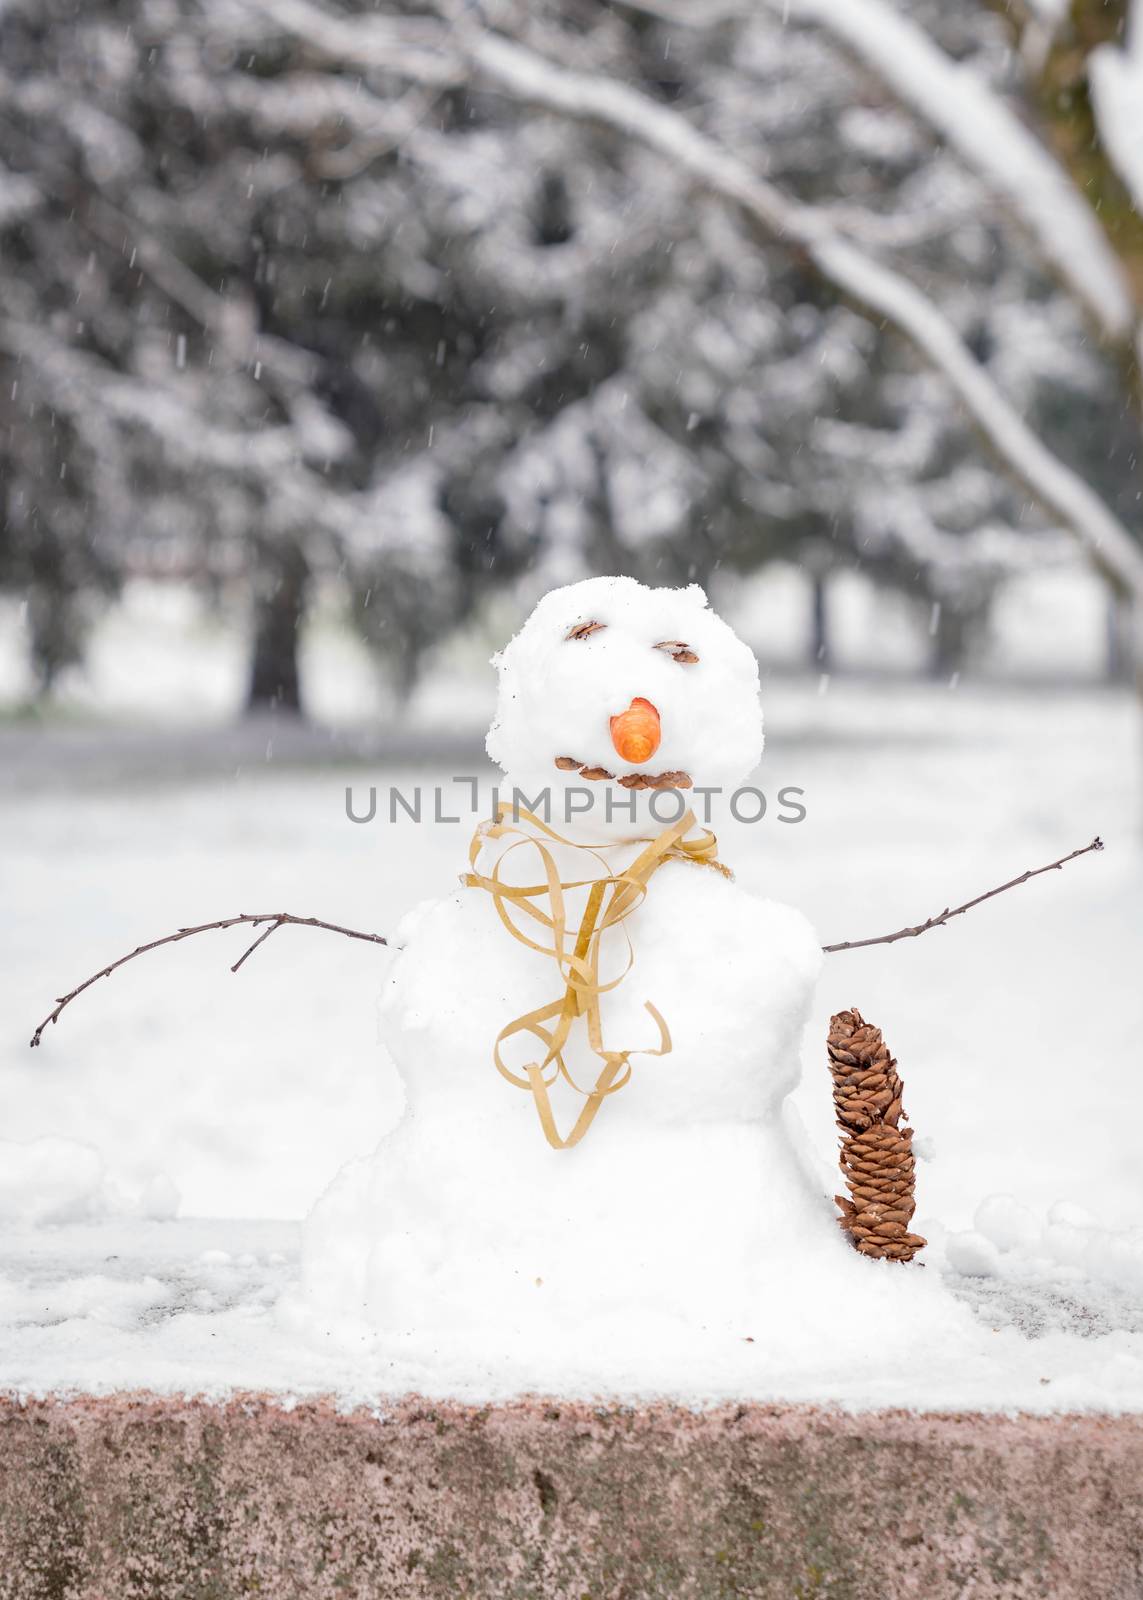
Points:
x=1015 y=1029
x=200 y=1307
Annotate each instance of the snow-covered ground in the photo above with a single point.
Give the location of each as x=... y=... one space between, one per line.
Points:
x=182 y=1088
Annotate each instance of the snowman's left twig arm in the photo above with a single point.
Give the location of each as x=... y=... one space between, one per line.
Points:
x=956 y=911
x=275 y=919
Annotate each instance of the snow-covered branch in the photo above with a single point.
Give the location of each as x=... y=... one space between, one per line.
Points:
x=990 y=138
x=973 y=120
x=883 y=293
x=1054 y=484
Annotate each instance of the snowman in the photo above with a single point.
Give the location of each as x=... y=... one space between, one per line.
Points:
x=593 y=1137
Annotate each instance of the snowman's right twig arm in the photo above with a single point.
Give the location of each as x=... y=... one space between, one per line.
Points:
x=956 y=911
x=273 y=919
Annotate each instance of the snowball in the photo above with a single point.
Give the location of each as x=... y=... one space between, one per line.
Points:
x=1067 y=1244
x=558 y=694
x=1068 y=1247
x=1009 y=1225
x=1116 y=1257
x=50 y=1180
x=973 y=1254
x=1071 y=1214
x=160 y=1199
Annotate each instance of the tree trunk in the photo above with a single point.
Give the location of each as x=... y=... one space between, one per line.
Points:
x=280 y=597
x=819 y=621
x=949 y=632
x=1120 y=638
x=1068 y=112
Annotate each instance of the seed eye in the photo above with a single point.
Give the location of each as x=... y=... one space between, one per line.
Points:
x=678 y=651
x=584 y=630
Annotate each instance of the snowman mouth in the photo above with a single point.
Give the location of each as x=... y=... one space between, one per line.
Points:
x=630 y=780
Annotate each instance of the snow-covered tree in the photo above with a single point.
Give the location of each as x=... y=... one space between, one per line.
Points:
x=429 y=302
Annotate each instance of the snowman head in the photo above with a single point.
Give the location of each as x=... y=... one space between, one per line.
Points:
x=611 y=685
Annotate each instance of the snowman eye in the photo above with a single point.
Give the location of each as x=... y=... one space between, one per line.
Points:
x=584 y=630
x=678 y=651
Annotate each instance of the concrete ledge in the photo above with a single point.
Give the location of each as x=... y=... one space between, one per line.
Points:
x=141 y=1496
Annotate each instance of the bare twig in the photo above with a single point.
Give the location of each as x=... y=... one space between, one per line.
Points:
x=261 y=939
x=947 y=915
x=276 y=920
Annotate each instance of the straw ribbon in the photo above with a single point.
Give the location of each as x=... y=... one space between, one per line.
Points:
x=540 y=909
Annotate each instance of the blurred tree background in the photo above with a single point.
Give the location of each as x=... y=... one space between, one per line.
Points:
x=269 y=319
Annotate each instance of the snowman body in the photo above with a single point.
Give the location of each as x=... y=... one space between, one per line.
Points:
x=683 y=1198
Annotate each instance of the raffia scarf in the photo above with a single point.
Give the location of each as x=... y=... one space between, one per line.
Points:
x=611 y=899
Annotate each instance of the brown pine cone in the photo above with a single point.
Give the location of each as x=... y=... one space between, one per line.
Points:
x=876 y=1155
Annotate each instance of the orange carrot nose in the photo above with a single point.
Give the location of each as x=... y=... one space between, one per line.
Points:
x=636 y=732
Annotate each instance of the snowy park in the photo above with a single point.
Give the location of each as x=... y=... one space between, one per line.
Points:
x=184 y=1120
x=571 y=799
